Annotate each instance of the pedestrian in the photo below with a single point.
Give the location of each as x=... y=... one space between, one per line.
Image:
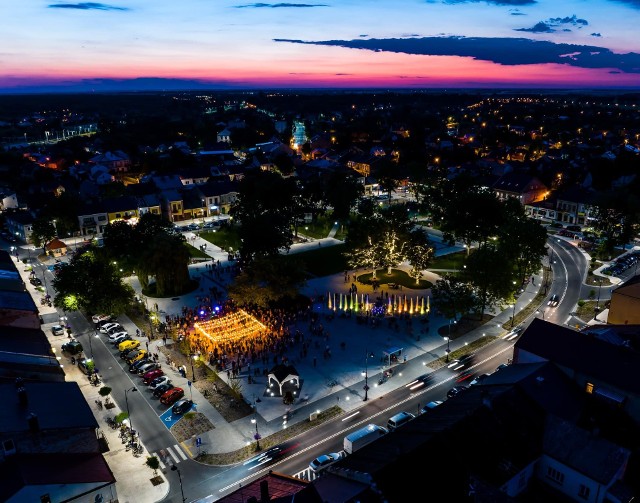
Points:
x=164 y=339
x=228 y=375
x=147 y=343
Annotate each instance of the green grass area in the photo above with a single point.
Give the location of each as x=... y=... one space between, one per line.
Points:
x=196 y=253
x=465 y=350
x=323 y=261
x=397 y=276
x=449 y=261
x=151 y=290
x=224 y=238
x=318 y=229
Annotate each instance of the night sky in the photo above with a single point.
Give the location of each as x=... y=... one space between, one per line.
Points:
x=222 y=44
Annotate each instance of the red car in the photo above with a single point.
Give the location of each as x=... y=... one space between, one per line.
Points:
x=151 y=375
x=172 y=396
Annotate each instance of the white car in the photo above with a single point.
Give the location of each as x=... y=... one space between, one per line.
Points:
x=553 y=301
x=117 y=335
x=121 y=338
x=107 y=326
x=158 y=381
x=97 y=318
x=321 y=462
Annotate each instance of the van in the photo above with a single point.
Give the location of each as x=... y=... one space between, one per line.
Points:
x=362 y=437
x=399 y=419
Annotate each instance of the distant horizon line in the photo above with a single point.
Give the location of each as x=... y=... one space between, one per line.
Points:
x=49 y=90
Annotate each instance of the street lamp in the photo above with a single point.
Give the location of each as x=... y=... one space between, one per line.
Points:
x=193 y=371
x=174 y=468
x=598 y=299
x=257 y=435
x=126 y=401
x=448 y=339
x=366 y=374
x=513 y=315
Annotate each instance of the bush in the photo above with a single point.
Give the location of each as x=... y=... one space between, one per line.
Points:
x=153 y=463
x=121 y=417
x=581 y=303
x=105 y=391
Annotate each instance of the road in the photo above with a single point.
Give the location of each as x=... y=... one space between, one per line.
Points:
x=199 y=481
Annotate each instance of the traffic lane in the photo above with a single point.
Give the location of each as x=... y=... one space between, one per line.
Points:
x=329 y=437
x=144 y=410
x=574 y=265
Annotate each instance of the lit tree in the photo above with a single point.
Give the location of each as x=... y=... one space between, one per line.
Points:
x=419 y=253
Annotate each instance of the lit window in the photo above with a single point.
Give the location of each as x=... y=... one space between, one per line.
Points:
x=589 y=388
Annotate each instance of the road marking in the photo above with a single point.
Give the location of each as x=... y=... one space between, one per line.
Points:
x=355 y=425
x=182 y=454
x=162 y=466
x=175 y=458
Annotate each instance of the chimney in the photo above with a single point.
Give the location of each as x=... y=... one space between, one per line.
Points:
x=264 y=492
x=23 y=399
x=32 y=419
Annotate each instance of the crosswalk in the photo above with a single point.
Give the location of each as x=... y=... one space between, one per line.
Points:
x=306 y=474
x=170 y=456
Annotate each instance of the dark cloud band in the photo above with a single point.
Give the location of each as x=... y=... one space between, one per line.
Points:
x=278 y=5
x=85 y=6
x=504 y=51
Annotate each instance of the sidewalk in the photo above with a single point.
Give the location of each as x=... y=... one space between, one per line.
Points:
x=131 y=473
x=338 y=380
x=334 y=381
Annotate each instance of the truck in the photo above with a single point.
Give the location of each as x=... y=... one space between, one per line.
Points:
x=359 y=438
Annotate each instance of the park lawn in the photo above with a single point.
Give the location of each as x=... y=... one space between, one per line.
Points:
x=196 y=253
x=225 y=238
x=318 y=229
x=449 y=261
x=324 y=261
x=397 y=276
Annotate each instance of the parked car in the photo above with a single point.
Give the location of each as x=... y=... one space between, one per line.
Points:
x=182 y=406
x=130 y=354
x=478 y=379
x=172 y=396
x=430 y=406
x=159 y=381
x=123 y=346
x=142 y=353
x=97 y=318
x=161 y=389
x=85 y=366
x=122 y=338
x=35 y=281
x=118 y=333
x=554 y=300
x=456 y=390
x=114 y=329
x=133 y=368
x=107 y=326
x=149 y=376
x=147 y=367
x=321 y=462
x=72 y=347
x=57 y=330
